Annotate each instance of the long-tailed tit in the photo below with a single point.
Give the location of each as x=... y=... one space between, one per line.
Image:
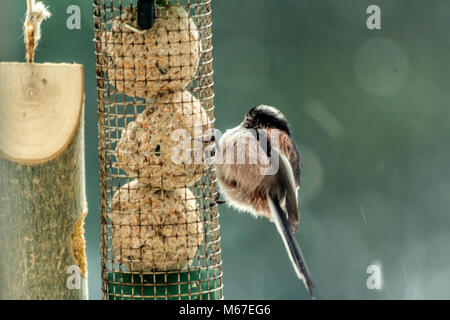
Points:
x=258 y=169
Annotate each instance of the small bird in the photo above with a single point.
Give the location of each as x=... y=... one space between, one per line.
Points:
x=243 y=157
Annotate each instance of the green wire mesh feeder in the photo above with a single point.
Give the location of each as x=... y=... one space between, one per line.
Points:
x=159 y=215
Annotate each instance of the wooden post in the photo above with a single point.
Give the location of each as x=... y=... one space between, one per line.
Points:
x=42 y=182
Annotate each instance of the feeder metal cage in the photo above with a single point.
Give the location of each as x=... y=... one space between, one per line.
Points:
x=160 y=236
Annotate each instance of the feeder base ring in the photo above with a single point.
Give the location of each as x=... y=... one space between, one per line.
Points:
x=183 y=285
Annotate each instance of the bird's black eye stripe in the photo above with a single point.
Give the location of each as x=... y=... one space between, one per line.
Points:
x=260 y=117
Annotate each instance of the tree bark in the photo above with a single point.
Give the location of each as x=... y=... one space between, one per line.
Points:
x=42 y=211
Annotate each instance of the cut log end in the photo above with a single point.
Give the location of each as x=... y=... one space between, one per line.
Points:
x=40 y=110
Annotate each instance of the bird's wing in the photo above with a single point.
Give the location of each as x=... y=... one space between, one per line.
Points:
x=293 y=249
x=289 y=148
x=285 y=180
x=296 y=163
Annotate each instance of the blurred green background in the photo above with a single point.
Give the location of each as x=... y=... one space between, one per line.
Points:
x=370 y=110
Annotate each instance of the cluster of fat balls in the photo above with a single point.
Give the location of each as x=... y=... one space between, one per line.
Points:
x=156 y=221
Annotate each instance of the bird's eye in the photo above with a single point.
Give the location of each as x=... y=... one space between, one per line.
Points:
x=213 y=152
x=158 y=150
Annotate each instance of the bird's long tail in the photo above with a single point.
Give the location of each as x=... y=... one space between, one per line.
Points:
x=293 y=249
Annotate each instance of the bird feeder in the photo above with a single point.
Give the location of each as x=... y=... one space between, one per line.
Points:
x=159 y=216
x=42 y=190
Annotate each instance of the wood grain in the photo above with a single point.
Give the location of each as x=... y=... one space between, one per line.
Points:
x=40 y=109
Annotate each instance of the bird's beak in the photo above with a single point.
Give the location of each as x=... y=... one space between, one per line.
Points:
x=209 y=154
